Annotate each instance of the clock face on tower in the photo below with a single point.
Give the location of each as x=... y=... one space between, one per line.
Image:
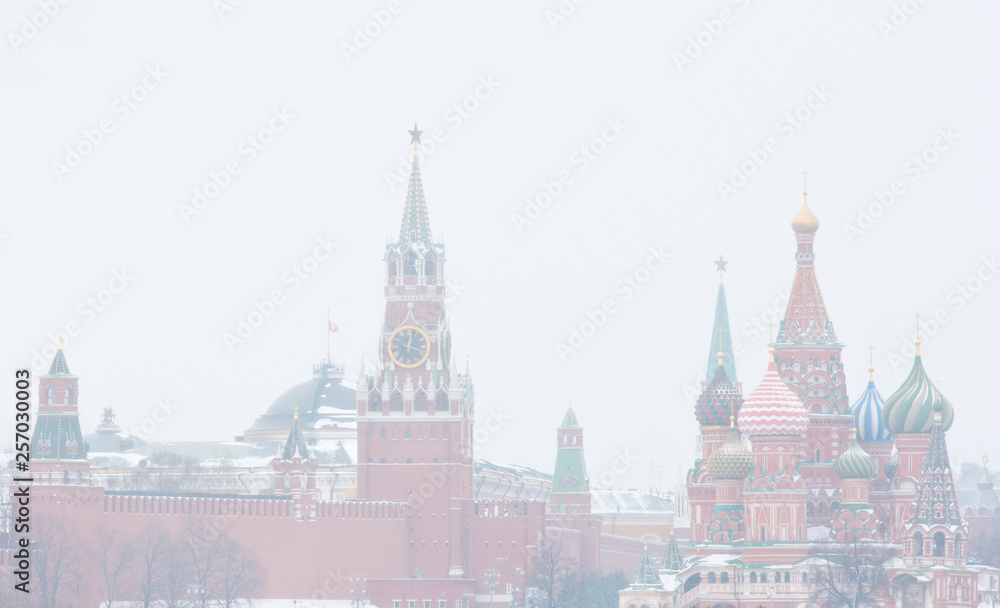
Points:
x=409 y=346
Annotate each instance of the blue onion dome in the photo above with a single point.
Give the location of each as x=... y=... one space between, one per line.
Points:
x=732 y=460
x=910 y=409
x=867 y=412
x=855 y=463
x=891 y=465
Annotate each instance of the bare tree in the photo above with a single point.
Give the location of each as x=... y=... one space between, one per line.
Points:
x=112 y=557
x=56 y=560
x=240 y=577
x=177 y=576
x=150 y=553
x=552 y=569
x=851 y=573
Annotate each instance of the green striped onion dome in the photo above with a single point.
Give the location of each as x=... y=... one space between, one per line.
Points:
x=855 y=463
x=732 y=460
x=911 y=408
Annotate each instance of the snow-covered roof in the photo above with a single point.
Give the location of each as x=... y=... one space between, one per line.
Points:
x=629 y=501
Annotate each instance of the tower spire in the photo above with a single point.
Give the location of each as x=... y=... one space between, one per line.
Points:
x=415 y=227
x=723 y=342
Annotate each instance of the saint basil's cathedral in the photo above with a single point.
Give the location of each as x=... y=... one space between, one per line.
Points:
x=377 y=476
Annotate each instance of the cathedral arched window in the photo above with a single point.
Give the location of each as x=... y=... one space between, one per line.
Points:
x=788 y=577
x=441 y=402
x=561 y=507
x=805 y=577
x=67 y=394
x=724 y=578
x=66 y=478
x=918 y=543
x=711 y=578
x=430 y=266
x=939 y=544
x=408 y=434
x=821 y=510
x=79 y=480
x=381 y=433
x=51 y=394
x=753 y=577
x=819 y=454
x=834 y=507
x=810 y=510
x=958 y=545
x=763 y=577
x=410 y=264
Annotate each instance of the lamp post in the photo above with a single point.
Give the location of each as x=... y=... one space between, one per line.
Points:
x=492 y=574
x=359 y=596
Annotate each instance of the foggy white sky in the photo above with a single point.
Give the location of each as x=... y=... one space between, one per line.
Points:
x=219 y=80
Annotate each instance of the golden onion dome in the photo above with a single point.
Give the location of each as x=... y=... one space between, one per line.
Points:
x=804 y=221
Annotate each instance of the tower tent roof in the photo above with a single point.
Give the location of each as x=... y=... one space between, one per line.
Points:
x=416 y=225
x=59 y=366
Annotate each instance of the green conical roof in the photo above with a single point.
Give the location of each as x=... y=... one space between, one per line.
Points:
x=672 y=561
x=416 y=227
x=936 y=502
x=569 y=420
x=59 y=366
x=728 y=359
x=645 y=574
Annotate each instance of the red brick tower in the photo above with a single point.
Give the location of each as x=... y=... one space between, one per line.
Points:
x=415 y=416
x=809 y=359
x=58 y=453
x=570 y=500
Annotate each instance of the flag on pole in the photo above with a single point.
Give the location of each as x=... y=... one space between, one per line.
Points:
x=332 y=325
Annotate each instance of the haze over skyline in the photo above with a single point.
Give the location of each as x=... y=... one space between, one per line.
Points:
x=556 y=165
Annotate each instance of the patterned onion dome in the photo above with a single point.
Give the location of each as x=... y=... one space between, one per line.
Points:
x=891 y=465
x=855 y=463
x=732 y=460
x=772 y=408
x=867 y=412
x=720 y=400
x=911 y=408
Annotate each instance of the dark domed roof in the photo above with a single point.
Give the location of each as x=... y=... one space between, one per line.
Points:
x=323 y=402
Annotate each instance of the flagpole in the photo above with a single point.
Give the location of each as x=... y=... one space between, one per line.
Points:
x=328 y=334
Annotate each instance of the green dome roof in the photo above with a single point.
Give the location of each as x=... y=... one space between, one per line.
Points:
x=731 y=461
x=911 y=408
x=855 y=463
